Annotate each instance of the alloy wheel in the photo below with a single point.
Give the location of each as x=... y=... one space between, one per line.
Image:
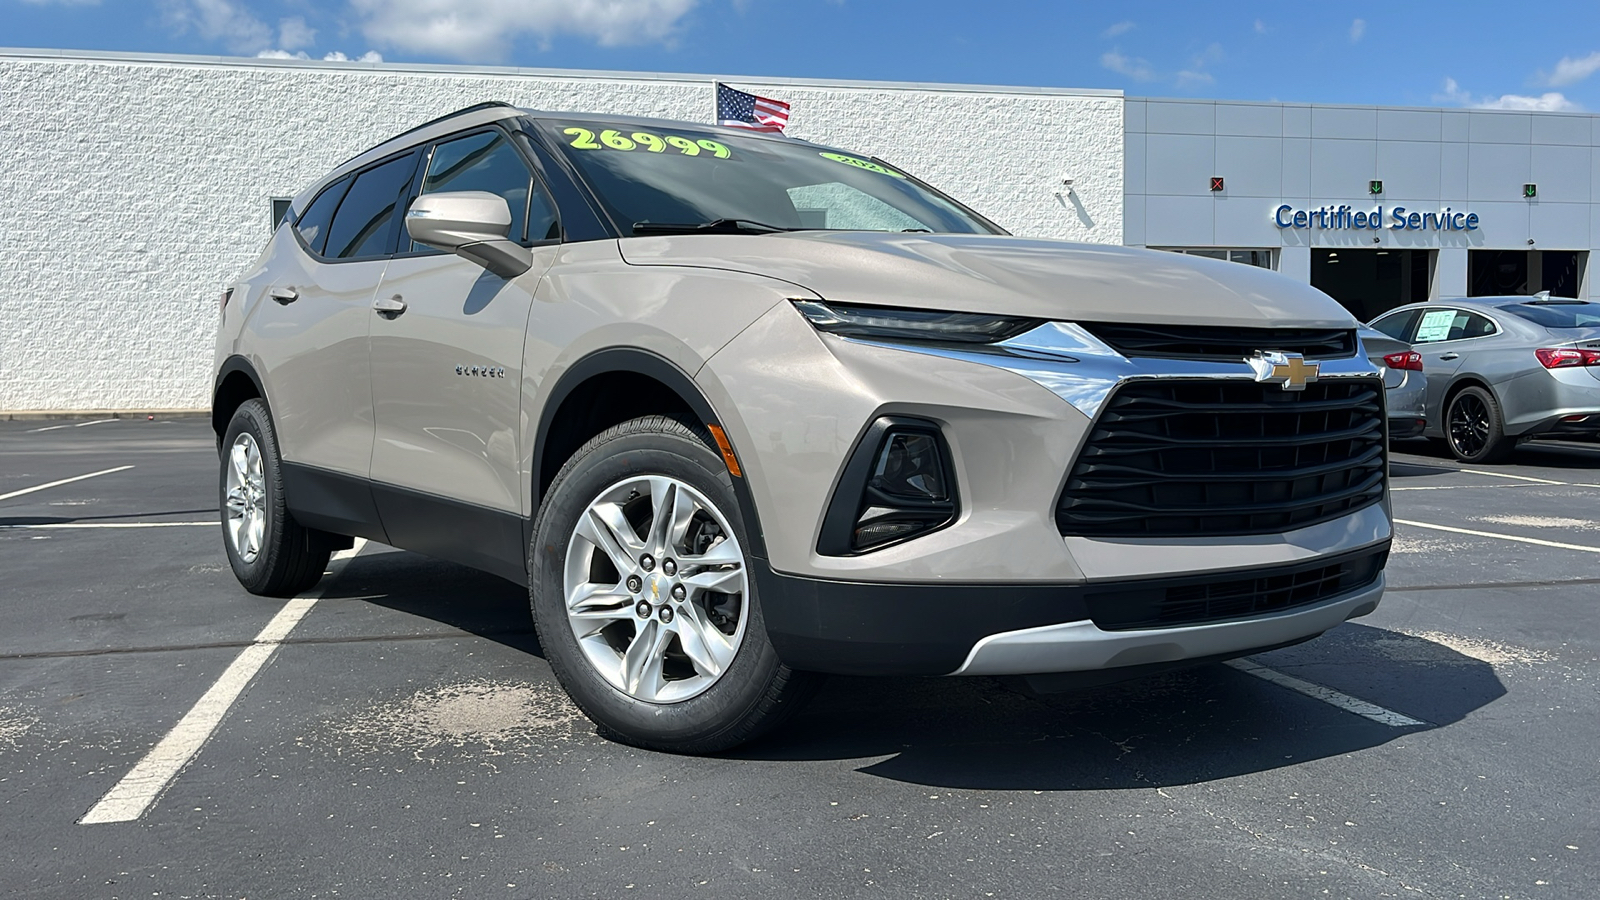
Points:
x=246 y=498
x=654 y=586
x=1469 y=424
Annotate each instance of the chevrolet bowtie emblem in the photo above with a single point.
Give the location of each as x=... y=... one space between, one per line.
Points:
x=655 y=586
x=1288 y=369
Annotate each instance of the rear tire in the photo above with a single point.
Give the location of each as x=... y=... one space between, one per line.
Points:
x=1474 y=429
x=271 y=554
x=643 y=597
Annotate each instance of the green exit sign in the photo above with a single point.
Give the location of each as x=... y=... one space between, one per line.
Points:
x=1530 y=191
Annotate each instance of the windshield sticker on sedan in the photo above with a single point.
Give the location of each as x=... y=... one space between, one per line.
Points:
x=1435 y=326
x=612 y=139
x=861 y=164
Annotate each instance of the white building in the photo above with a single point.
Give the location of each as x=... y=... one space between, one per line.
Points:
x=137 y=186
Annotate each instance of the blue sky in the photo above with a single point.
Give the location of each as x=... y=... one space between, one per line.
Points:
x=1544 y=55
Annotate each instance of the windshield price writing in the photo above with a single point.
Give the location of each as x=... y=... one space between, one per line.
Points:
x=611 y=139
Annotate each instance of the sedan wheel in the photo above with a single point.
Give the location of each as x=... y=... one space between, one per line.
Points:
x=1474 y=429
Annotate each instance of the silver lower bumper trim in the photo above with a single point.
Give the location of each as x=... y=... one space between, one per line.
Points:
x=1080 y=646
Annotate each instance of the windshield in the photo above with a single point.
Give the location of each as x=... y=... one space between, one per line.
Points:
x=1558 y=315
x=688 y=176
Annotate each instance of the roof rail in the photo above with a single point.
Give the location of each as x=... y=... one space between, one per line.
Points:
x=491 y=104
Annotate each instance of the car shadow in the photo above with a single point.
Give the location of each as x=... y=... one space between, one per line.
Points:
x=1182 y=727
x=1547 y=454
x=15 y=521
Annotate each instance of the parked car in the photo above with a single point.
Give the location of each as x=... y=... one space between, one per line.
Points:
x=740 y=409
x=1504 y=369
x=1404 y=382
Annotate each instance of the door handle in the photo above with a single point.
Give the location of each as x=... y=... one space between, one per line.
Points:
x=1449 y=356
x=391 y=307
x=284 y=295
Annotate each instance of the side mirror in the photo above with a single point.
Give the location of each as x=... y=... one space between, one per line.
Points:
x=472 y=225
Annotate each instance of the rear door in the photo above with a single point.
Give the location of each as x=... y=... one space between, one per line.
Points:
x=447 y=370
x=1446 y=338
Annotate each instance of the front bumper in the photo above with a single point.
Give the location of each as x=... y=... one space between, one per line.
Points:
x=851 y=628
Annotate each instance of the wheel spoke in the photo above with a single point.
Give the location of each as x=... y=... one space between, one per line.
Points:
x=641 y=665
x=599 y=601
x=604 y=526
x=705 y=646
x=726 y=580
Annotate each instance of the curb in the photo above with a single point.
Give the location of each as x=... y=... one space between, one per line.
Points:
x=29 y=415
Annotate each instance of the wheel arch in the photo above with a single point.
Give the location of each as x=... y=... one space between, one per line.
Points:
x=609 y=387
x=236 y=382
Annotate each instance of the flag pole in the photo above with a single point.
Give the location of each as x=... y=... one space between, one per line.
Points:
x=716 y=91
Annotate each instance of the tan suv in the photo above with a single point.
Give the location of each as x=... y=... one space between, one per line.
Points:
x=740 y=409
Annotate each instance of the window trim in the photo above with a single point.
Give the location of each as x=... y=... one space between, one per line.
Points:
x=414 y=189
x=352 y=176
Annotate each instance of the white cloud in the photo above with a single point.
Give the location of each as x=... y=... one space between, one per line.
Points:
x=1137 y=69
x=485 y=30
x=1261 y=27
x=1548 y=102
x=1119 y=28
x=371 y=56
x=1358 y=30
x=295 y=33
x=1196 y=75
x=219 y=20
x=1571 y=71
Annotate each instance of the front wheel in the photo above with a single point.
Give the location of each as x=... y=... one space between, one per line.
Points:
x=1474 y=428
x=644 y=600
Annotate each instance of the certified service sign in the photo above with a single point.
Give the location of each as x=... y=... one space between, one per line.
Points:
x=1347 y=218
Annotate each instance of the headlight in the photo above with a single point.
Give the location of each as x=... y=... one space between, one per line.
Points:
x=911 y=324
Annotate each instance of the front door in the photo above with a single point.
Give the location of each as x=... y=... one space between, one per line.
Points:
x=447 y=373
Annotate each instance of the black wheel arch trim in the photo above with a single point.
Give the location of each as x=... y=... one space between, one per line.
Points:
x=651 y=365
x=231 y=365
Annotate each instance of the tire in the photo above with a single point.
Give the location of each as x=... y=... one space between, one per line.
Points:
x=271 y=554
x=1474 y=429
x=696 y=673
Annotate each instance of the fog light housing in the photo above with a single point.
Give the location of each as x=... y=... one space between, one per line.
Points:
x=897 y=484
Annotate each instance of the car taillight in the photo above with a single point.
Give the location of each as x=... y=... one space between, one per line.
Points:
x=1409 y=359
x=1564 y=357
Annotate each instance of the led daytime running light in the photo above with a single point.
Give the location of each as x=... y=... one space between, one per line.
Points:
x=912 y=324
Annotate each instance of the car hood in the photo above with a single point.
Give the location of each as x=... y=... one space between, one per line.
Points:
x=1006 y=276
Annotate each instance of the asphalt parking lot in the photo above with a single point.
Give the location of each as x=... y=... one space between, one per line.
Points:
x=404 y=738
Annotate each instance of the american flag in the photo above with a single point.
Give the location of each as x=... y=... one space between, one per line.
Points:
x=740 y=110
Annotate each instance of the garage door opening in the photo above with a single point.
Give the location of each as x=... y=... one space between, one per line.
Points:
x=1372 y=282
x=1496 y=273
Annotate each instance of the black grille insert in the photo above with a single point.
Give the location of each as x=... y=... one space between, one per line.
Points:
x=1220 y=342
x=1226 y=457
x=1217 y=598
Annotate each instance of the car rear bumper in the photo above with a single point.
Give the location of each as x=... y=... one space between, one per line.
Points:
x=1018 y=629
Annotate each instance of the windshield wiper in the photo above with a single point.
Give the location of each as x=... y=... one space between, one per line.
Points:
x=715 y=226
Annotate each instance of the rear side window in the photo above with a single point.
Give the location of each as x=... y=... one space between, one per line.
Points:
x=488 y=162
x=364 y=224
x=1397 y=325
x=313 y=223
x=1452 y=325
x=1558 y=315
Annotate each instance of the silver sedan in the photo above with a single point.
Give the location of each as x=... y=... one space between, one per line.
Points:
x=1504 y=369
x=1404 y=382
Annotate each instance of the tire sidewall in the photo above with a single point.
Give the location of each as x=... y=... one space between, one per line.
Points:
x=681 y=725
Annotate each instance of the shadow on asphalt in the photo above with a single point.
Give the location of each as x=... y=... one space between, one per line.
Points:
x=1547 y=454
x=1183 y=727
x=67 y=520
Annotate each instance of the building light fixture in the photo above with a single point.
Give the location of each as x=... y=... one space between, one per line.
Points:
x=1375 y=186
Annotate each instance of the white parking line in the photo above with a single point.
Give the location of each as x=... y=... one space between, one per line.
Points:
x=52 y=484
x=69 y=425
x=1504 y=537
x=1326 y=695
x=115 y=525
x=134 y=794
x=1506 y=475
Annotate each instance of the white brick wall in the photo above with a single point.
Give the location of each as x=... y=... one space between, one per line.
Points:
x=132 y=189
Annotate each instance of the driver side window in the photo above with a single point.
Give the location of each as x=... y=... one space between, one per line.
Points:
x=487 y=162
